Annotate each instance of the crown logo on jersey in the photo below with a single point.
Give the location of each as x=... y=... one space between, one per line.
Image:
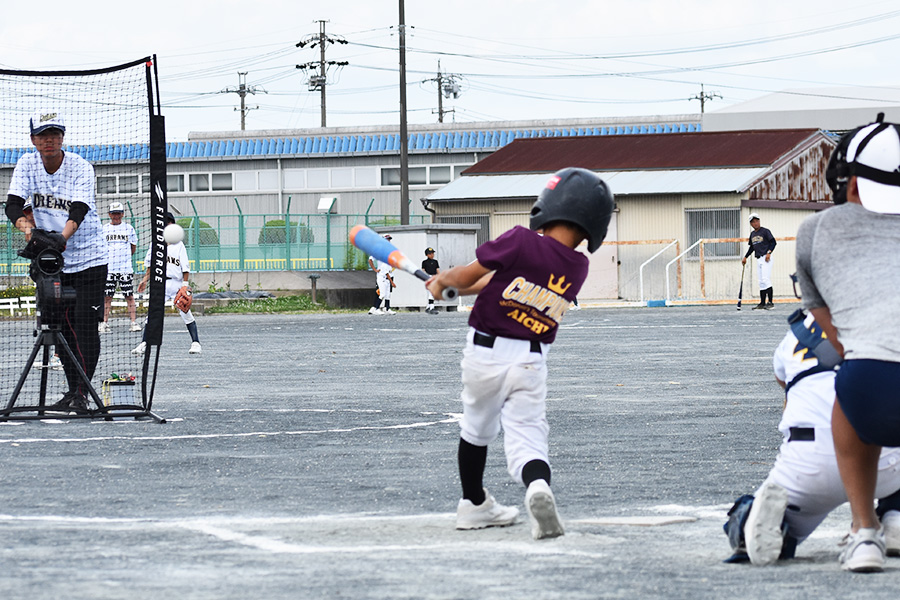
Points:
x=558 y=287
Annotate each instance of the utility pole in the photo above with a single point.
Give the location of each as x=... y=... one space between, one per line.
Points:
x=319 y=80
x=703 y=97
x=242 y=90
x=447 y=85
x=404 y=136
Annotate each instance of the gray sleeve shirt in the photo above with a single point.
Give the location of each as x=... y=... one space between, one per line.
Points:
x=848 y=259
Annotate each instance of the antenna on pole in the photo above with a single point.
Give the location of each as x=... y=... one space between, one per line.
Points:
x=703 y=97
x=242 y=90
x=318 y=79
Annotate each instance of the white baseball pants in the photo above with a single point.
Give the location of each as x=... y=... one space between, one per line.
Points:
x=506 y=386
x=764 y=272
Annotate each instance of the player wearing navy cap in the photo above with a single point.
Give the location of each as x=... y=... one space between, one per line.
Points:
x=525 y=283
x=60 y=185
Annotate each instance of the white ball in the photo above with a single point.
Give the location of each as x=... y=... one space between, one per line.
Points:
x=173 y=233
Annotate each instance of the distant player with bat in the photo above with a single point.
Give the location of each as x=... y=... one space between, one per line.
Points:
x=385 y=282
x=525 y=283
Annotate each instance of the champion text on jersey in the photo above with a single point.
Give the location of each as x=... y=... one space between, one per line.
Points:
x=543 y=306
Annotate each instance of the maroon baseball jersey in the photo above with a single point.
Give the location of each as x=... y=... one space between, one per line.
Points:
x=535 y=280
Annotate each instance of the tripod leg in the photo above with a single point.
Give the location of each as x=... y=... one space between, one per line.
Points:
x=61 y=343
x=41 y=341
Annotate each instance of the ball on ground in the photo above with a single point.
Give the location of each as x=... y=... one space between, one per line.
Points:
x=173 y=233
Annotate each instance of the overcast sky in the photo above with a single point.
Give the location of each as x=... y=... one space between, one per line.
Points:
x=512 y=59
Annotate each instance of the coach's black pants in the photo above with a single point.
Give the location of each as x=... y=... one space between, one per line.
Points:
x=79 y=324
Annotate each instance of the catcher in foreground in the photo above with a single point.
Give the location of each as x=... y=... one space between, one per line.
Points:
x=178 y=270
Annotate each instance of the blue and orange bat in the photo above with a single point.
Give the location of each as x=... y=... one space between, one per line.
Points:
x=374 y=245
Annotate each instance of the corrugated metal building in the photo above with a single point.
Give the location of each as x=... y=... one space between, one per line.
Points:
x=671 y=191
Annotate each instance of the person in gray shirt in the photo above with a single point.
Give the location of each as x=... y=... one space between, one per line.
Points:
x=848 y=274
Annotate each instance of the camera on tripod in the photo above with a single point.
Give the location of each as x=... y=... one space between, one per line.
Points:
x=45 y=251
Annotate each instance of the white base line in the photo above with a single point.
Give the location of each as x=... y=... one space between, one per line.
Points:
x=210 y=436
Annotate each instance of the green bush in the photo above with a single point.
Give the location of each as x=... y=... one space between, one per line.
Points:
x=17 y=291
x=208 y=235
x=273 y=233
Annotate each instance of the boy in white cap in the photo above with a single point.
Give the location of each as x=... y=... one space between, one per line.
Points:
x=847 y=270
x=122 y=241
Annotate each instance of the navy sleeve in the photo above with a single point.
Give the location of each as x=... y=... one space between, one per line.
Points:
x=14 y=208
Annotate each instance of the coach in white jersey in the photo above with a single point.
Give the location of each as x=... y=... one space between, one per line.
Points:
x=804 y=485
x=60 y=185
x=122 y=241
x=178 y=270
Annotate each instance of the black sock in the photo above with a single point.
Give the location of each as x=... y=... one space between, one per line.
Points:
x=771 y=294
x=762 y=296
x=192 y=328
x=471 y=460
x=534 y=470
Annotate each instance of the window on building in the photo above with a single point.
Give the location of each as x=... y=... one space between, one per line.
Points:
x=318 y=178
x=365 y=176
x=106 y=185
x=713 y=224
x=221 y=182
x=294 y=179
x=174 y=183
x=439 y=175
x=128 y=184
x=199 y=182
x=245 y=181
x=482 y=235
x=391 y=176
x=145 y=184
x=342 y=178
x=268 y=180
x=458 y=169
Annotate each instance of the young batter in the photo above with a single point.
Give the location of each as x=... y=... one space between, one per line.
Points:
x=525 y=282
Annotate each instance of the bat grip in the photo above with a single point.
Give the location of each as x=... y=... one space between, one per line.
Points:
x=449 y=293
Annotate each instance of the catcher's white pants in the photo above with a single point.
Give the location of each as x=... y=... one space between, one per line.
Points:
x=808 y=471
x=384 y=286
x=764 y=272
x=172 y=287
x=506 y=386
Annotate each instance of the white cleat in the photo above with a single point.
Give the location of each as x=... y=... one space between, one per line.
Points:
x=489 y=513
x=864 y=552
x=891 y=524
x=541 y=505
x=388 y=311
x=103 y=327
x=195 y=348
x=374 y=311
x=762 y=531
x=139 y=349
x=135 y=326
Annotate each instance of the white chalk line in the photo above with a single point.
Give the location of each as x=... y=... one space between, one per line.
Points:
x=210 y=436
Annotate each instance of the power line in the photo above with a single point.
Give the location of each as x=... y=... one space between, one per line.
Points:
x=242 y=90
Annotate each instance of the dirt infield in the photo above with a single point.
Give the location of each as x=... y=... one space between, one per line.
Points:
x=315 y=457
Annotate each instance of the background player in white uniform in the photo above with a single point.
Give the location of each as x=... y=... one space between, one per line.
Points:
x=385 y=280
x=61 y=187
x=122 y=241
x=804 y=485
x=177 y=272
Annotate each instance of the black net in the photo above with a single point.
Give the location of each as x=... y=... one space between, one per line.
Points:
x=89 y=296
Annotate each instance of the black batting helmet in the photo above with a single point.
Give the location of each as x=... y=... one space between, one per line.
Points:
x=576 y=196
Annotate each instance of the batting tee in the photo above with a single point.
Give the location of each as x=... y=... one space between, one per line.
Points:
x=112 y=119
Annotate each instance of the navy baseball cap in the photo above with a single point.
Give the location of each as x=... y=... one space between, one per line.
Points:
x=46 y=119
x=170 y=218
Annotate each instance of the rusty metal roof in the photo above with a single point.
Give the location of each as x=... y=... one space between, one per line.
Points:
x=645 y=152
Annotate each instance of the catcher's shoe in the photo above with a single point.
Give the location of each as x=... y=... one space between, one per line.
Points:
x=489 y=513
x=135 y=326
x=139 y=349
x=388 y=311
x=374 y=311
x=541 y=505
x=891 y=524
x=71 y=402
x=195 y=348
x=864 y=551
x=103 y=327
x=762 y=532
